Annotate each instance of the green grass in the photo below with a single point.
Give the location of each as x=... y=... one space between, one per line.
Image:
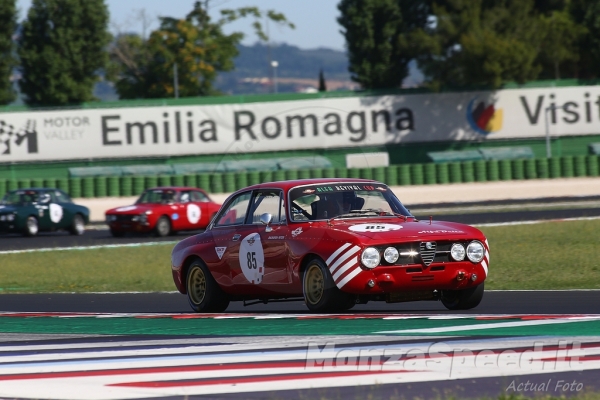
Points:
x=123 y=269
x=551 y=255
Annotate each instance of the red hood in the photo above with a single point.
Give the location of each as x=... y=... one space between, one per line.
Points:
x=388 y=229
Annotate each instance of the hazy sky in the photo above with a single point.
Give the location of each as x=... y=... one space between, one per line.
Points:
x=315 y=20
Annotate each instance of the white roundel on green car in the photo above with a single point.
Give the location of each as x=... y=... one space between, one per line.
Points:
x=56 y=213
x=252 y=258
x=193 y=213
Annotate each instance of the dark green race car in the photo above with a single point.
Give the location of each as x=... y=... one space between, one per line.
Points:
x=29 y=211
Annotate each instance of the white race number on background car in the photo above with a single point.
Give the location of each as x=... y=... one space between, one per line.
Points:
x=193 y=213
x=56 y=213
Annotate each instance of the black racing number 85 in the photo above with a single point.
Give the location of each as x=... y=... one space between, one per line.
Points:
x=250 y=257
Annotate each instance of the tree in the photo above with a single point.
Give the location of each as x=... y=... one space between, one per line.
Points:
x=480 y=43
x=8 y=24
x=586 y=13
x=560 y=44
x=62 y=48
x=322 y=85
x=196 y=45
x=379 y=38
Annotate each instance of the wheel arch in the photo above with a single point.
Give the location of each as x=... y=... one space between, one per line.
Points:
x=308 y=257
x=185 y=266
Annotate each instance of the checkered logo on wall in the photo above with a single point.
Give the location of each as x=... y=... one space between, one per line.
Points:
x=10 y=135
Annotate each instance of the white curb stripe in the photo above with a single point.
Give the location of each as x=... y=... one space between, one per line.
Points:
x=108 y=246
x=494 y=325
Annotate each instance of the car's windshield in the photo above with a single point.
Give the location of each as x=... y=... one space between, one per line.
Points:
x=344 y=200
x=160 y=196
x=20 y=197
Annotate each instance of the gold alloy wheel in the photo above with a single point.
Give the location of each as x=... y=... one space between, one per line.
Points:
x=197 y=285
x=314 y=284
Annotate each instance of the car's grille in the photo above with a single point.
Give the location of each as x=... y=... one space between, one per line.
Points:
x=124 y=218
x=427 y=250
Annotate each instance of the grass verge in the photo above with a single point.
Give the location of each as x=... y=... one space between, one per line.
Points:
x=550 y=255
x=121 y=269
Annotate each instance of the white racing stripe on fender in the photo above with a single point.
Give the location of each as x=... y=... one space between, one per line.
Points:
x=345 y=268
x=348 y=277
x=336 y=253
x=485 y=267
x=343 y=258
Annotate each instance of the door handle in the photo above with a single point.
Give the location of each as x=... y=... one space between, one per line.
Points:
x=236 y=237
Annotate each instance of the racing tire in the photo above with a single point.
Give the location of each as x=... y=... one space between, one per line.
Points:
x=78 y=225
x=320 y=292
x=31 y=226
x=116 y=233
x=203 y=292
x=463 y=299
x=163 y=227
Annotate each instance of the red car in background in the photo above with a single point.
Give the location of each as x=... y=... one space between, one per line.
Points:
x=332 y=243
x=163 y=211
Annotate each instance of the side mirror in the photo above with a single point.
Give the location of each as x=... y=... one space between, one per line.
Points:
x=266 y=219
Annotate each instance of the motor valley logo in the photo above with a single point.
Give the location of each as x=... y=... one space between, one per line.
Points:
x=10 y=135
x=484 y=119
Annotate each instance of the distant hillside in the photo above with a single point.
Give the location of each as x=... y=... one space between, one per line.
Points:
x=297 y=70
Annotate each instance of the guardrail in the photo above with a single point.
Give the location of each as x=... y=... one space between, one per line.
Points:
x=404 y=174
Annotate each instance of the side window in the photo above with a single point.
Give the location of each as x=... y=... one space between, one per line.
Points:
x=281 y=210
x=44 y=197
x=199 y=196
x=184 y=197
x=62 y=197
x=235 y=213
x=265 y=201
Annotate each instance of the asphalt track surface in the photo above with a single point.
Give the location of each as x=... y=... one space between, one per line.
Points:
x=98 y=234
x=494 y=302
x=499 y=303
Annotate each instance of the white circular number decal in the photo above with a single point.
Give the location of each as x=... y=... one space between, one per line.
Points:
x=252 y=258
x=126 y=208
x=193 y=213
x=375 y=227
x=56 y=213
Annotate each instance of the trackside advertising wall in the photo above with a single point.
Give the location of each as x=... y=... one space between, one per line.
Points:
x=325 y=123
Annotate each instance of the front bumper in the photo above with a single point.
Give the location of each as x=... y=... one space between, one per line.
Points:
x=437 y=276
x=129 y=226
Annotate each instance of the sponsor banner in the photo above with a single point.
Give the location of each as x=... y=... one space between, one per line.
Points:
x=303 y=124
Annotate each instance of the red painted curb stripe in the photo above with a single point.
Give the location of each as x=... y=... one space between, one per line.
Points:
x=253 y=379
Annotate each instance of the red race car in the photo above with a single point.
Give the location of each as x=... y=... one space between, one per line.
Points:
x=163 y=210
x=332 y=243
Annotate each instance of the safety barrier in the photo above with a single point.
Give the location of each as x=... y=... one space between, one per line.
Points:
x=273 y=164
x=404 y=174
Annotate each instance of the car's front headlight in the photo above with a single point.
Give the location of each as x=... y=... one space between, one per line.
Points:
x=391 y=255
x=475 y=251
x=370 y=257
x=111 y=218
x=457 y=252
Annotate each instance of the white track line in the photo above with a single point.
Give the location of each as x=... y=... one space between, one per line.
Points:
x=107 y=246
